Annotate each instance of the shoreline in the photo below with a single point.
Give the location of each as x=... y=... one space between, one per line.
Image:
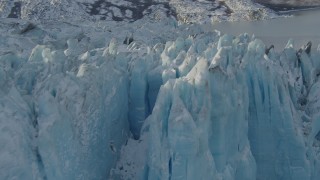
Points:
x=297 y=11
x=285 y=8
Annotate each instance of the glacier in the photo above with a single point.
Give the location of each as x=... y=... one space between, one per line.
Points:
x=236 y=113
x=188 y=103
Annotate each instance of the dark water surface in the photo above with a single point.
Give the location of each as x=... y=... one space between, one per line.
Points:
x=303 y=26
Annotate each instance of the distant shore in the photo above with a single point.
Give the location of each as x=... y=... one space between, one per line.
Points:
x=285 y=8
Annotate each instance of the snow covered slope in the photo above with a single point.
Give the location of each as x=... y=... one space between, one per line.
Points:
x=84 y=105
x=132 y=10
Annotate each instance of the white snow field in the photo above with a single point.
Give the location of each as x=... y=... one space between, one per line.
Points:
x=153 y=98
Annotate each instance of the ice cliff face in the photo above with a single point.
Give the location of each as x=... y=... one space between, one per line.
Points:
x=230 y=112
x=79 y=104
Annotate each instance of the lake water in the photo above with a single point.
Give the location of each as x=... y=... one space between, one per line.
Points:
x=304 y=26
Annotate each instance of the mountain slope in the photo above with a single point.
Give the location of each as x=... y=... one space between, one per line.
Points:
x=189 y=11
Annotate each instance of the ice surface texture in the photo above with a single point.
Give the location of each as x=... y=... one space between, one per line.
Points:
x=57 y=117
x=204 y=105
x=229 y=111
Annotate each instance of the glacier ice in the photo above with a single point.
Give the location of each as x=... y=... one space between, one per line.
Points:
x=190 y=104
x=236 y=114
x=63 y=114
